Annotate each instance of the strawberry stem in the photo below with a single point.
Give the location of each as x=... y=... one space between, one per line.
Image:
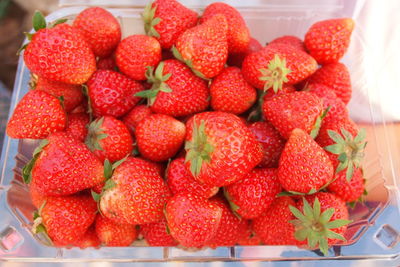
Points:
x=150 y=21
x=95 y=134
x=275 y=75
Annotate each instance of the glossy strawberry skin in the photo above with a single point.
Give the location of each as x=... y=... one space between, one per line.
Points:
x=113 y=234
x=253 y=194
x=60 y=54
x=159 y=137
x=286 y=89
x=136 y=115
x=179 y=179
x=112 y=93
x=89 y=239
x=76 y=125
x=231 y=93
x=36 y=197
x=65 y=166
x=156 y=234
x=138 y=184
x=290 y=40
x=348 y=191
x=37 y=115
x=248 y=237
x=192 y=220
x=236 y=59
x=135 y=53
x=303 y=165
x=100 y=28
x=327 y=41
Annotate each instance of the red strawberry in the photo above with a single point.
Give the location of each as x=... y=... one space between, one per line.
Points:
x=107 y=63
x=89 y=239
x=179 y=179
x=238 y=34
x=204 y=48
x=37 y=115
x=271 y=141
x=220 y=149
x=252 y=195
x=248 y=237
x=295 y=110
x=159 y=137
x=327 y=41
x=112 y=93
x=304 y=166
x=114 y=234
x=175 y=90
x=62 y=165
x=290 y=40
x=59 y=53
x=192 y=220
x=335 y=76
x=166 y=20
x=100 y=28
x=135 y=53
x=36 y=197
x=157 y=234
x=136 y=115
x=109 y=138
x=231 y=93
x=273 y=226
x=82 y=108
x=72 y=94
x=348 y=191
x=236 y=59
x=67 y=218
x=285 y=90
x=137 y=195
x=271 y=67
x=76 y=125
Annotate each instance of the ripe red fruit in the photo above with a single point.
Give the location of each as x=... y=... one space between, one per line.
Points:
x=286 y=89
x=77 y=125
x=165 y=20
x=179 y=179
x=114 y=234
x=192 y=220
x=220 y=149
x=327 y=41
x=135 y=53
x=248 y=237
x=136 y=115
x=231 y=93
x=157 y=234
x=109 y=138
x=37 y=115
x=204 y=48
x=107 y=63
x=294 y=110
x=304 y=166
x=290 y=40
x=348 y=191
x=252 y=195
x=36 y=197
x=112 y=93
x=159 y=137
x=136 y=183
x=89 y=239
x=236 y=59
x=100 y=29
x=238 y=34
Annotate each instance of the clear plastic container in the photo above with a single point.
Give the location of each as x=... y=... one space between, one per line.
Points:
x=374 y=234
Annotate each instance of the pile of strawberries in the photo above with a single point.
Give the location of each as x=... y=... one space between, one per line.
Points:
x=193 y=135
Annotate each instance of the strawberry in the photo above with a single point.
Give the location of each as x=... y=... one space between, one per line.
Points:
x=248 y=237
x=285 y=90
x=179 y=179
x=36 y=197
x=231 y=93
x=175 y=90
x=304 y=166
x=348 y=191
x=238 y=34
x=204 y=48
x=166 y=20
x=135 y=53
x=136 y=115
x=100 y=29
x=58 y=53
x=109 y=138
x=62 y=165
x=252 y=195
x=71 y=93
x=294 y=110
x=220 y=149
x=157 y=234
x=273 y=226
x=236 y=59
x=89 y=239
x=65 y=219
x=192 y=220
x=321 y=219
x=112 y=93
x=76 y=125
x=81 y=108
x=37 y=115
x=159 y=137
x=114 y=234
x=271 y=142
x=271 y=67
x=337 y=77
x=289 y=40
x=327 y=41
x=137 y=194
x=107 y=63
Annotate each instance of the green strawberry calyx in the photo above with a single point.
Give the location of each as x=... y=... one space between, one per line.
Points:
x=95 y=134
x=150 y=21
x=350 y=150
x=38 y=226
x=316 y=226
x=188 y=62
x=318 y=122
x=27 y=169
x=275 y=75
x=198 y=149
